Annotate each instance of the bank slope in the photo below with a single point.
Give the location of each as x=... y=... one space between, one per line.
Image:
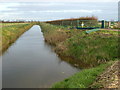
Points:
x=94 y=51
x=10 y=33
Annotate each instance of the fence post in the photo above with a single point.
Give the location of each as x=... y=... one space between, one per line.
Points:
x=103 y=24
x=61 y=23
x=77 y=23
x=109 y=24
x=71 y=23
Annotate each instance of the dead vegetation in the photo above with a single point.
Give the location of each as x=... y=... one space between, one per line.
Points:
x=110 y=78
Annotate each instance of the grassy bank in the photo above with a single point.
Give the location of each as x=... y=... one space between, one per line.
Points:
x=11 y=32
x=53 y=34
x=83 y=79
x=92 y=49
x=10 y=24
x=95 y=51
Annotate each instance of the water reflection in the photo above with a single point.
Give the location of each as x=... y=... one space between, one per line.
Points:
x=31 y=63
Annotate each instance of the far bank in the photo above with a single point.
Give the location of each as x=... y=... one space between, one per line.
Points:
x=93 y=51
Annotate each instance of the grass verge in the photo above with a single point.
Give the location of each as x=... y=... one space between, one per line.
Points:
x=11 y=33
x=96 y=51
x=92 y=49
x=84 y=78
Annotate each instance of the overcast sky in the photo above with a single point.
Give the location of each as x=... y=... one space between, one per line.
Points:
x=59 y=0
x=57 y=9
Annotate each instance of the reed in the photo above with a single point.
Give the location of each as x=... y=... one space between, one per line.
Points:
x=92 y=49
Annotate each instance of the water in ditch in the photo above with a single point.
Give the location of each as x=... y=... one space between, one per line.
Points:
x=31 y=63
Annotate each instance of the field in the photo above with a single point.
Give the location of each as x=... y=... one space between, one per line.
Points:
x=10 y=24
x=93 y=51
x=10 y=32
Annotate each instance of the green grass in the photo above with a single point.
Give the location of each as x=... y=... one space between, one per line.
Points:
x=95 y=51
x=92 y=49
x=10 y=24
x=82 y=79
x=11 y=32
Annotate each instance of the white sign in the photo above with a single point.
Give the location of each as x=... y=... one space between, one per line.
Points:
x=82 y=24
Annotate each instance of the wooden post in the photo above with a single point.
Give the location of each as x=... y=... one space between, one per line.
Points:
x=77 y=23
x=109 y=24
x=62 y=23
x=71 y=23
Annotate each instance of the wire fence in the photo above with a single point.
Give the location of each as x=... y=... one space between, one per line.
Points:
x=86 y=23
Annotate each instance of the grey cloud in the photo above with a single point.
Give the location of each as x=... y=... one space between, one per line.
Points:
x=61 y=10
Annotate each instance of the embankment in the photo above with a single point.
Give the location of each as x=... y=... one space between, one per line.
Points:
x=9 y=34
x=95 y=51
